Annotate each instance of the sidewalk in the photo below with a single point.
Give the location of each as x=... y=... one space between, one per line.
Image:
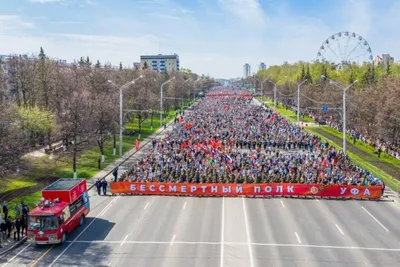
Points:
x=129 y=160
x=10 y=244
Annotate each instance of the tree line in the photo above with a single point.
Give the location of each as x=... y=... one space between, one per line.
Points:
x=44 y=101
x=373 y=104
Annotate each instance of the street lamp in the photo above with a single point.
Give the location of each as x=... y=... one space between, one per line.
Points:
x=121 y=127
x=274 y=92
x=261 y=86
x=298 y=99
x=344 y=106
x=161 y=98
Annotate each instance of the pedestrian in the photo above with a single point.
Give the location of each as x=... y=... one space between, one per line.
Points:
x=5 y=211
x=17 y=233
x=16 y=210
x=98 y=186
x=115 y=173
x=383 y=187
x=9 y=227
x=24 y=223
x=104 y=185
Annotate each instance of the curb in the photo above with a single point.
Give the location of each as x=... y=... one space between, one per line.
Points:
x=17 y=244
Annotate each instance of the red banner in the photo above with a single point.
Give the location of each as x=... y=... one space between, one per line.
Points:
x=276 y=189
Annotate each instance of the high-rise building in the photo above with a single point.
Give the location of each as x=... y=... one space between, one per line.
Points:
x=383 y=60
x=246 y=70
x=262 y=66
x=161 y=63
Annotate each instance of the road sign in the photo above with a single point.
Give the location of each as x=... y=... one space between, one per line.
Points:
x=324 y=108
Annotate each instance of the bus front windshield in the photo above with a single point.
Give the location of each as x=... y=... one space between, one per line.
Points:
x=43 y=223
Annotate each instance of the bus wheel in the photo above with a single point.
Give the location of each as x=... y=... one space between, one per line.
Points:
x=81 y=220
x=64 y=238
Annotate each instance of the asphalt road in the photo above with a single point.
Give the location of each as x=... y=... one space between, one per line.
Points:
x=187 y=231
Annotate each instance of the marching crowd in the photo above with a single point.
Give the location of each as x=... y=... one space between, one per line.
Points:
x=230 y=139
x=390 y=148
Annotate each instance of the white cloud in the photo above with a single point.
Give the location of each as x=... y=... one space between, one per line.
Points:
x=250 y=11
x=358 y=16
x=43 y=1
x=14 y=24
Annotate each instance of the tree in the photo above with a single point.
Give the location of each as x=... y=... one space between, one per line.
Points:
x=388 y=69
x=81 y=62
x=308 y=75
x=98 y=65
x=166 y=76
x=120 y=66
x=88 y=63
x=352 y=77
x=302 y=74
x=145 y=65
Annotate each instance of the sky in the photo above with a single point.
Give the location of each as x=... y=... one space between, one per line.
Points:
x=211 y=37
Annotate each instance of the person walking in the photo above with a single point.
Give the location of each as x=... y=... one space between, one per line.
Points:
x=98 y=186
x=104 y=186
x=5 y=211
x=17 y=233
x=115 y=173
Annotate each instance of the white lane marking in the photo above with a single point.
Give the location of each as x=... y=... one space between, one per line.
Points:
x=184 y=205
x=76 y=238
x=387 y=230
x=123 y=241
x=222 y=232
x=107 y=207
x=147 y=204
x=298 y=238
x=283 y=205
x=172 y=240
x=340 y=230
x=247 y=233
x=16 y=255
x=238 y=244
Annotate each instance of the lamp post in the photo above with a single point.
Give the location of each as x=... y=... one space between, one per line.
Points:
x=298 y=99
x=261 y=86
x=274 y=92
x=344 y=106
x=161 y=98
x=121 y=127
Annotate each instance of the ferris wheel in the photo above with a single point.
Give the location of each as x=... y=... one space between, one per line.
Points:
x=345 y=48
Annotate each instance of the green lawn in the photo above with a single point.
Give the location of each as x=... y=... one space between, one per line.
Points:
x=287 y=113
x=61 y=165
x=14 y=184
x=389 y=180
x=365 y=147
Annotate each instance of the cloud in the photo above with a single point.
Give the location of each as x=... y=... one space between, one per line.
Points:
x=250 y=11
x=44 y=1
x=358 y=16
x=14 y=24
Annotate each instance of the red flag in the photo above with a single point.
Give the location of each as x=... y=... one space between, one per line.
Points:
x=188 y=126
x=324 y=163
x=137 y=145
x=184 y=145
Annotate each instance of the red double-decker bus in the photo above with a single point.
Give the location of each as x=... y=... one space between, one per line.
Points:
x=63 y=207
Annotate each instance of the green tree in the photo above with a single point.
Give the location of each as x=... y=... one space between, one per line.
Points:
x=88 y=63
x=81 y=62
x=302 y=74
x=42 y=55
x=145 y=65
x=352 y=77
x=388 y=69
x=98 y=65
x=36 y=123
x=308 y=75
x=166 y=75
x=120 y=66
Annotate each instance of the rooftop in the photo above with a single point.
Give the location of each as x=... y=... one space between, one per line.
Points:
x=63 y=184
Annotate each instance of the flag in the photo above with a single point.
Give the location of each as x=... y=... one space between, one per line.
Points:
x=184 y=145
x=137 y=145
x=324 y=163
x=228 y=159
x=198 y=146
x=188 y=126
x=272 y=118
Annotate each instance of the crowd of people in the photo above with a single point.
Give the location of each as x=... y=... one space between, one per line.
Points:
x=390 y=148
x=229 y=138
x=18 y=226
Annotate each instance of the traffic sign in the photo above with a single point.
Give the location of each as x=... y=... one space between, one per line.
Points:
x=324 y=108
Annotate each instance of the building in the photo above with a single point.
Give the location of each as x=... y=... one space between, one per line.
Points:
x=383 y=60
x=246 y=70
x=262 y=66
x=161 y=63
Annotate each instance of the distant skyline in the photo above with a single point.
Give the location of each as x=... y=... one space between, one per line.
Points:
x=215 y=37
